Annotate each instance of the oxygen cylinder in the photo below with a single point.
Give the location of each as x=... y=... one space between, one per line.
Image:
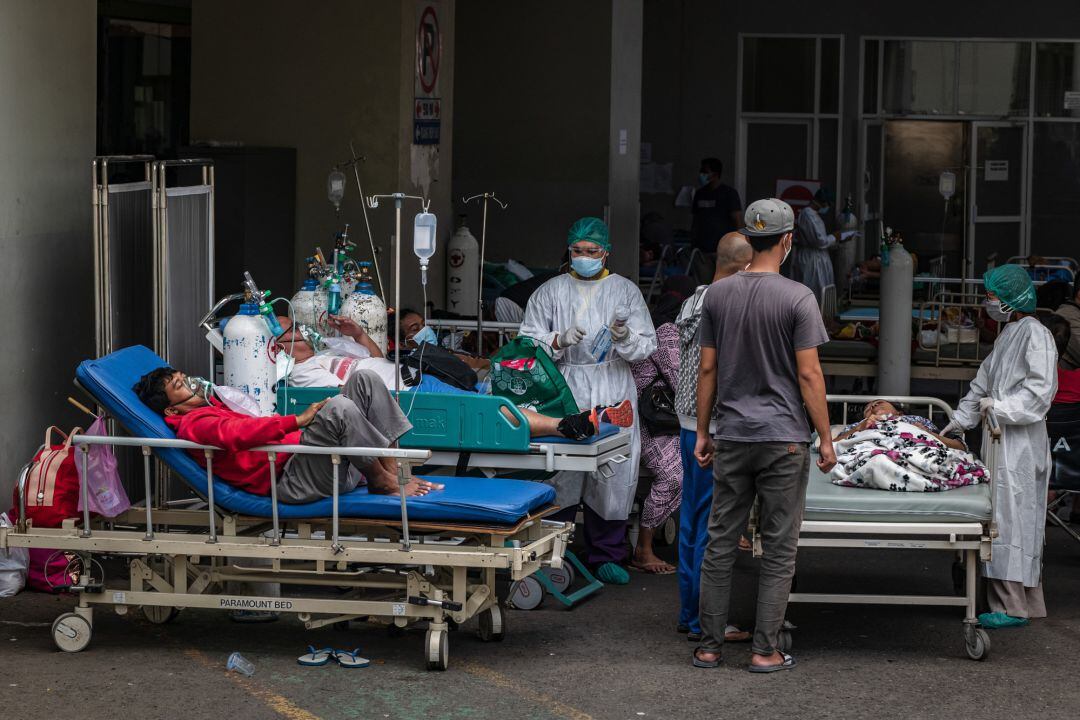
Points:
x=367 y=310
x=309 y=306
x=248 y=363
x=462 y=270
x=894 y=335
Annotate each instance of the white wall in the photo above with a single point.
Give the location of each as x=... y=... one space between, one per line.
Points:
x=48 y=82
x=312 y=76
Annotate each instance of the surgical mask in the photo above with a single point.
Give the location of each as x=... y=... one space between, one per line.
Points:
x=996 y=311
x=823 y=211
x=283 y=365
x=703 y=178
x=587 y=266
x=786 y=253
x=425 y=335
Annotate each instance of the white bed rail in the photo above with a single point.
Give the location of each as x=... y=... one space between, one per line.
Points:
x=83 y=442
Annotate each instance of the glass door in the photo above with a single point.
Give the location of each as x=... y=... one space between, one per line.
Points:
x=996 y=198
x=871 y=182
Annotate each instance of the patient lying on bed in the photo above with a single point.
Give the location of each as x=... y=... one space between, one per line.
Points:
x=904 y=453
x=363 y=415
x=331 y=367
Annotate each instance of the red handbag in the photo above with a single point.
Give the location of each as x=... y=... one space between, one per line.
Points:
x=52 y=484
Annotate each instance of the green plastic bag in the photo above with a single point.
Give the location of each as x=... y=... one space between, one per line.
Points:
x=523 y=372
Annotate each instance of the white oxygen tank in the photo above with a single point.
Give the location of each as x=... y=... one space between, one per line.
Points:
x=894 y=335
x=309 y=306
x=248 y=363
x=367 y=310
x=462 y=270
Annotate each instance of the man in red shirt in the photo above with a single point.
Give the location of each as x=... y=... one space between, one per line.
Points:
x=363 y=415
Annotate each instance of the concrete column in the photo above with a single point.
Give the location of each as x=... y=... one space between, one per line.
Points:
x=48 y=79
x=624 y=145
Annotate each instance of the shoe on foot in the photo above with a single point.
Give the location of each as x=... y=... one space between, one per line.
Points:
x=997 y=620
x=620 y=415
x=612 y=574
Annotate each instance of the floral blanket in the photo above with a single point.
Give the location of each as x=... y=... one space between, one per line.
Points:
x=895 y=455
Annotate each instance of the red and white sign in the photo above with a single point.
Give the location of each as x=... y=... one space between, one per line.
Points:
x=796 y=193
x=428 y=50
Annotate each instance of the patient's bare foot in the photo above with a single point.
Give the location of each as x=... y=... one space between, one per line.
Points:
x=386 y=484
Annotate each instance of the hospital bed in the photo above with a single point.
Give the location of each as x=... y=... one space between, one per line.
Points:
x=484 y=432
x=430 y=558
x=958 y=521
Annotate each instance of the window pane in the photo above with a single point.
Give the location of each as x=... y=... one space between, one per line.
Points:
x=920 y=77
x=1055 y=192
x=999 y=172
x=830 y=75
x=994 y=78
x=778 y=75
x=774 y=151
x=827 y=157
x=870 y=72
x=1056 y=73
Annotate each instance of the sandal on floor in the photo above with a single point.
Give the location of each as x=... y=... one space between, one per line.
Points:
x=645 y=567
x=315 y=658
x=707 y=664
x=351 y=659
x=787 y=663
x=733 y=634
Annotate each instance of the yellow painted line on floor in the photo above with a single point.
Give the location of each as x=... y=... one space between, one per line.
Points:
x=278 y=703
x=553 y=706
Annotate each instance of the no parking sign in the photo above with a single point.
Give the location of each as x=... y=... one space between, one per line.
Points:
x=427 y=118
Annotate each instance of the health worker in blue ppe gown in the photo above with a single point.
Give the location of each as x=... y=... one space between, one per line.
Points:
x=567 y=313
x=1016 y=383
x=813 y=265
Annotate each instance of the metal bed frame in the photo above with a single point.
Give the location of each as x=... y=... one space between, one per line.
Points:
x=546 y=457
x=971 y=539
x=396 y=572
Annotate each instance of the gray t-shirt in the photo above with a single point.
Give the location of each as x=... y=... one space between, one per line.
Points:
x=756 y=321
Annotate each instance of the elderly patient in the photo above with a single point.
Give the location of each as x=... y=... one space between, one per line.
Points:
x=889 y=450
x=363 y=415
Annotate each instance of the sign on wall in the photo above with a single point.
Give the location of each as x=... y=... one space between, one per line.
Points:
x=796 y=193
x=427 y=119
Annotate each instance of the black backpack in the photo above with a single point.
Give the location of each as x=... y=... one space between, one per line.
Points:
x=438 y=362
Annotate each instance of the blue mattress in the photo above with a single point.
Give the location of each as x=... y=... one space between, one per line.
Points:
x=463 y=500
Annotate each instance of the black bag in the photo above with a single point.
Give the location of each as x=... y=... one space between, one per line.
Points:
x=656 y=406
x=439 y=362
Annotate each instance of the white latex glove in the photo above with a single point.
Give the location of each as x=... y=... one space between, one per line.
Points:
x=951 y=428
x=571 y=336
x=986 y=404
x=619 y=332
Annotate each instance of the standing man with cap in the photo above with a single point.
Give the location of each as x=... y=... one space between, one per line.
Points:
x=813 y=266
x=759 y=366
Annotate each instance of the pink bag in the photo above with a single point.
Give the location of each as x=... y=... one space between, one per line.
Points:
x=47 y=575
x=104 y=491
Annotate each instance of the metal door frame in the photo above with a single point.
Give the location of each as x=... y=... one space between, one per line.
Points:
x=971 y=194
x=864 y=214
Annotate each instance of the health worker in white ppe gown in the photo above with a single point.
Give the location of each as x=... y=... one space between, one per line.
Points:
x=813 y=264
x=1016 y=383
x=567 y=313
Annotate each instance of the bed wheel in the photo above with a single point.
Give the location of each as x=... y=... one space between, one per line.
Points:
x=437 y=650
x=71 y=632
x=976 y=642
x=160 y=614
x=561 y=578
x=784 y=642
x=526 y=594
x=492 y=624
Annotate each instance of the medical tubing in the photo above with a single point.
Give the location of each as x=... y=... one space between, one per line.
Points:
x=420 y=369
x=292 y=325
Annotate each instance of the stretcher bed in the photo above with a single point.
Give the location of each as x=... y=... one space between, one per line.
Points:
x=429 y=558
x=959 y=521
x=484 y=432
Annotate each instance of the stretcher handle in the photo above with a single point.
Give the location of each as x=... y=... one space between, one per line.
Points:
x=993 y=426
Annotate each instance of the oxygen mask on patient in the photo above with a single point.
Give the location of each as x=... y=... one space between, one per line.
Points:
x=199 y=387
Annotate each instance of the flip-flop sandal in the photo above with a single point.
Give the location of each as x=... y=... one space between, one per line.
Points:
x=350 y=659
x=788 y=663
x=643 y=567
x=707 y=664
x=315 y=658
x=733 y=634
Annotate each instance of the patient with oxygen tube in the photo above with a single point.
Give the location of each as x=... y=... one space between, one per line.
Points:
x=888 y=450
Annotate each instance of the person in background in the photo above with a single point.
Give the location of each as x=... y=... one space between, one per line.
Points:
x=660 y=453
x=733 y=253
x=716 y=209
x=812 y=264
x=1070 y=310
x=1063 y=418
x=1016 y=383
x=759 y=336
x=569 y=313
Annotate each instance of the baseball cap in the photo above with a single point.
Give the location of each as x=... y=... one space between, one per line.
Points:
x=768 y=217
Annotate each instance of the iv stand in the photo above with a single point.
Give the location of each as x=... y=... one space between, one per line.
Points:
x=399 y=199
x=483 y=242
x=354 y=164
